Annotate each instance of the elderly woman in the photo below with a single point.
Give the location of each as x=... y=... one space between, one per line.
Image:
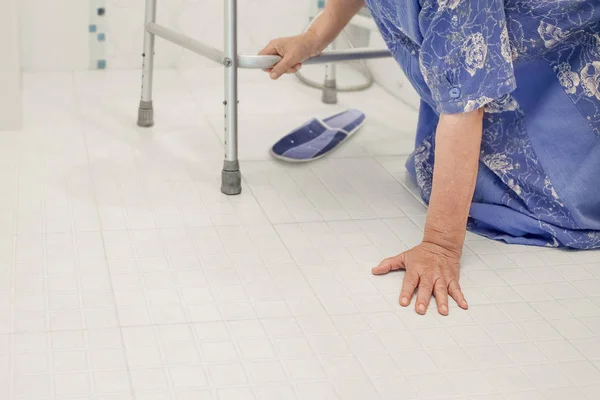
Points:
x=508 y=140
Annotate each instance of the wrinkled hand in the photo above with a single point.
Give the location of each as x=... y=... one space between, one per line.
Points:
x=293 y=51
x=432 y=269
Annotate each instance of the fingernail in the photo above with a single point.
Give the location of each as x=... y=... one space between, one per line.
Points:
x=444 y=310
x=273 y=75
x=421 y=308
x=464 y=304
x=404 y=301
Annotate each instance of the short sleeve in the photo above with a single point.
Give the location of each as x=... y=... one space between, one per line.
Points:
x=465 y=55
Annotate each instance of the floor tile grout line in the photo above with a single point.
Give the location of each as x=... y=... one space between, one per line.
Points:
x=473 y=323
x=167 y=257
x=408 y=189
x=372 y=159
x=13 y=309
x=186 y=228
x=319 y=357
x=156 y=326
x=295 y=263
x=511 y=317
x=195 y=102
x=98 y=215
x=329 y=317
x=332 y=194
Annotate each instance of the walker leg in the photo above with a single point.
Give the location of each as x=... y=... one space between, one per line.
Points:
x=231 y=178
x=330 y=85
x=146 y=111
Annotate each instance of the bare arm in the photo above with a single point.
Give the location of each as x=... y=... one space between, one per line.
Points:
x=458 y=142
x=323 y=30
x=334 y=18
x=433 y=266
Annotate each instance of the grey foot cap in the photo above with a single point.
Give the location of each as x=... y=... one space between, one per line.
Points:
x=145 y=114
x=330 y=92
x=231 y=178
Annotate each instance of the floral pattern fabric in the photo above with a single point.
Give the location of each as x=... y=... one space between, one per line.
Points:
x=534 y=66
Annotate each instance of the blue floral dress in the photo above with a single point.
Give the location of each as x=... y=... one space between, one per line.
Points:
x=534 y=65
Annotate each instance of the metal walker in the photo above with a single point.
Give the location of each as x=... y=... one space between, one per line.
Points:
x=231 y=179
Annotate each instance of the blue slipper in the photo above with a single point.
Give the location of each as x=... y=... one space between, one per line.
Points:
x=317 y=138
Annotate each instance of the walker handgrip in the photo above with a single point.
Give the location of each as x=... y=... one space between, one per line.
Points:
x=265 y=62
x=257 y=62
x=348 y=55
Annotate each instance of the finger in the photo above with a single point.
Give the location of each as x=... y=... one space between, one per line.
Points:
x=440 y=291
x=295 y=68
x=389 y=264
x=424 y=293
x=455 y=291
x=409 y=285
x=269 y=50
x=283 y=66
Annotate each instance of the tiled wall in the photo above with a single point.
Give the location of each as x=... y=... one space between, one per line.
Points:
x=98 y=26
x=82 y=34
x=57 y=34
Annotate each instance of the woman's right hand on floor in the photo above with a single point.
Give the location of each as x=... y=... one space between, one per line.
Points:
x=293 y=51
x=430 y=270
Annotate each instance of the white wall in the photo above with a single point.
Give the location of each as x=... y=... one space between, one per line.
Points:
x=54 y=34
x=10 y=72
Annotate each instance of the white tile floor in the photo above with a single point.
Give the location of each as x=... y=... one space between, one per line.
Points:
x=124 y=274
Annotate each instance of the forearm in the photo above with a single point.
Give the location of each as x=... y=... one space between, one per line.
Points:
x=458 y=143
x=335 y=16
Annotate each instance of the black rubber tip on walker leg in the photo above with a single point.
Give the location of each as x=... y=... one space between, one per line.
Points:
x=145 y=114
x=231 y=178
x=330 y=92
